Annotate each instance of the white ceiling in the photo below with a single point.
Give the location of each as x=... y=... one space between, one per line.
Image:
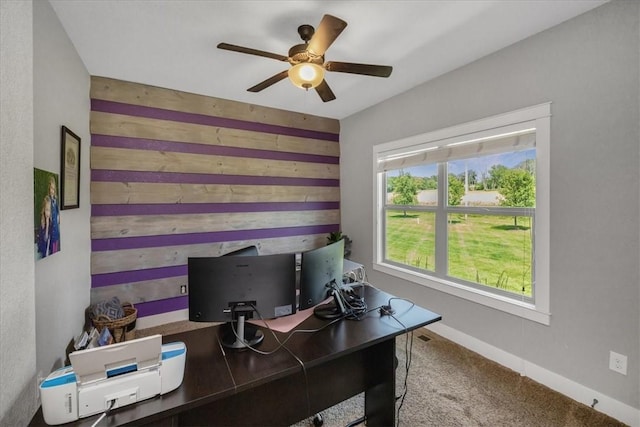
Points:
x=172 y=43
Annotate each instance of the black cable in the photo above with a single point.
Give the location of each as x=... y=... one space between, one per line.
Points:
x=357 y=310
x=224 y=355
x=387 y=310
x=281 y=344
x=405 y=389
x=306 y=379
x=356 y=422
x=354 y=305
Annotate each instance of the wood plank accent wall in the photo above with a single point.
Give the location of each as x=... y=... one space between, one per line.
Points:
x=175 y=175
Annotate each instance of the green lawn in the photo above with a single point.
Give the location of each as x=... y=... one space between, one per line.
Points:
x=483 y=249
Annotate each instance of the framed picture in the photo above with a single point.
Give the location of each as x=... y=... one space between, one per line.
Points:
x=69 y=170
x=46 y=218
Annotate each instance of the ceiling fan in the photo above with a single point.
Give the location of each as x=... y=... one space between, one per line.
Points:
x=307 y=59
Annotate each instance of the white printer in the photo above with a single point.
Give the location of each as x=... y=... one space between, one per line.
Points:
x=112 y=376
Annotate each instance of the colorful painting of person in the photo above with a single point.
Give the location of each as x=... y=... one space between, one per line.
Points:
x=44 y=232
x=46 y=214
x=55 y=216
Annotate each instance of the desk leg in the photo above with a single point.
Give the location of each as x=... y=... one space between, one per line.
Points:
x=380 y=399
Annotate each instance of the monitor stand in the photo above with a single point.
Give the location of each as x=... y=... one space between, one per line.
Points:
x=246 y=335
x=331 y=310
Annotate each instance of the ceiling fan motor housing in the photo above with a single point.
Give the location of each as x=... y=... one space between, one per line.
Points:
x=306 y=31
x=299 y=54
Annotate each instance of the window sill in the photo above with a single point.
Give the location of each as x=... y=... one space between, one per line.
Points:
x=517 y=308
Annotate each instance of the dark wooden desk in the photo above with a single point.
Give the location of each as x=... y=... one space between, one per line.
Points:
x=245 y=388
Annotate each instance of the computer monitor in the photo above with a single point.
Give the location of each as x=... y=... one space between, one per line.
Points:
x=247 y=251
x=320 y=268
x=233 y=289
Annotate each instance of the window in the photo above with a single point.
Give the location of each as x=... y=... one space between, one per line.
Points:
x=465 y=210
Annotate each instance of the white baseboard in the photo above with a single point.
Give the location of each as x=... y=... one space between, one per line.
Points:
x=607 y=405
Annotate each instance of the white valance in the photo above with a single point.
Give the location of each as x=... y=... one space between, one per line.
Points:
x=454 y=150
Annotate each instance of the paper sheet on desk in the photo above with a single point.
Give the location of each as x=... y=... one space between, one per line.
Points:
x=286 y=323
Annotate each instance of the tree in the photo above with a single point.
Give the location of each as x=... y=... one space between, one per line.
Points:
x=455 y=190
x=529 y=165
x=471 y=177
x=518 y=190
x=405 y=190
x=390 y=183
x=496 y=174
x=427 y=183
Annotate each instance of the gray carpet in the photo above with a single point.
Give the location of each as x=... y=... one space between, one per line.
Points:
x=449 y=385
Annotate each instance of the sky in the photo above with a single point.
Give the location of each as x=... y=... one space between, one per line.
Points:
x=478 y=164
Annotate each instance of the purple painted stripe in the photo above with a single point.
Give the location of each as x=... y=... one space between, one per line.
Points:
x=108 y=279
x=202 y=119
x=211 y=237
x=201 y=178
x=162 y=306
x=196 y=208
x=210 y=150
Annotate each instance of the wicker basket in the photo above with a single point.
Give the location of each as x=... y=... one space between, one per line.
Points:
x=122 y=329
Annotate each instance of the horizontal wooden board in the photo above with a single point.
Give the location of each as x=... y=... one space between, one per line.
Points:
x=144 y=192
x=165 y=130
x=146 y=95
x=158 y=161
x=139 y=292
x=179 y=175
x=146 y=258
x=106 y=227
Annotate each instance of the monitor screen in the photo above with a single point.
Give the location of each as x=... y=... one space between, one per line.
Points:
x=248 y=251
x=319 y=268
x=220 y=285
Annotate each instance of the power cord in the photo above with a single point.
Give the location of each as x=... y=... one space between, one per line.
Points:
x=355 y=275
x=353 y=304
x=387 y=310
x=355 y=310
x=405 y=387
x=281 y=344
x=105 y=413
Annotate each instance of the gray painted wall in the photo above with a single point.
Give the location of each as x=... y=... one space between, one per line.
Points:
x=588 y=68
x=44 y=85
x=61 y=85
x=17 y=309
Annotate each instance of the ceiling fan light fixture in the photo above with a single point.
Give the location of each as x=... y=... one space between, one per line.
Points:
x=306 y=75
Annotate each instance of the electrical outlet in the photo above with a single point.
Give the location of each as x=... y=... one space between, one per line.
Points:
x=618 y=362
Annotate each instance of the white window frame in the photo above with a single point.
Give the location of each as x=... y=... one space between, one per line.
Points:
x=538 y=116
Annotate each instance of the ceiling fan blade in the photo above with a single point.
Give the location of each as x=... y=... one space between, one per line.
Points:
x=270 y=81
x=234 y=48
x=328 y=30
x=325 y=92
x=366 y=69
